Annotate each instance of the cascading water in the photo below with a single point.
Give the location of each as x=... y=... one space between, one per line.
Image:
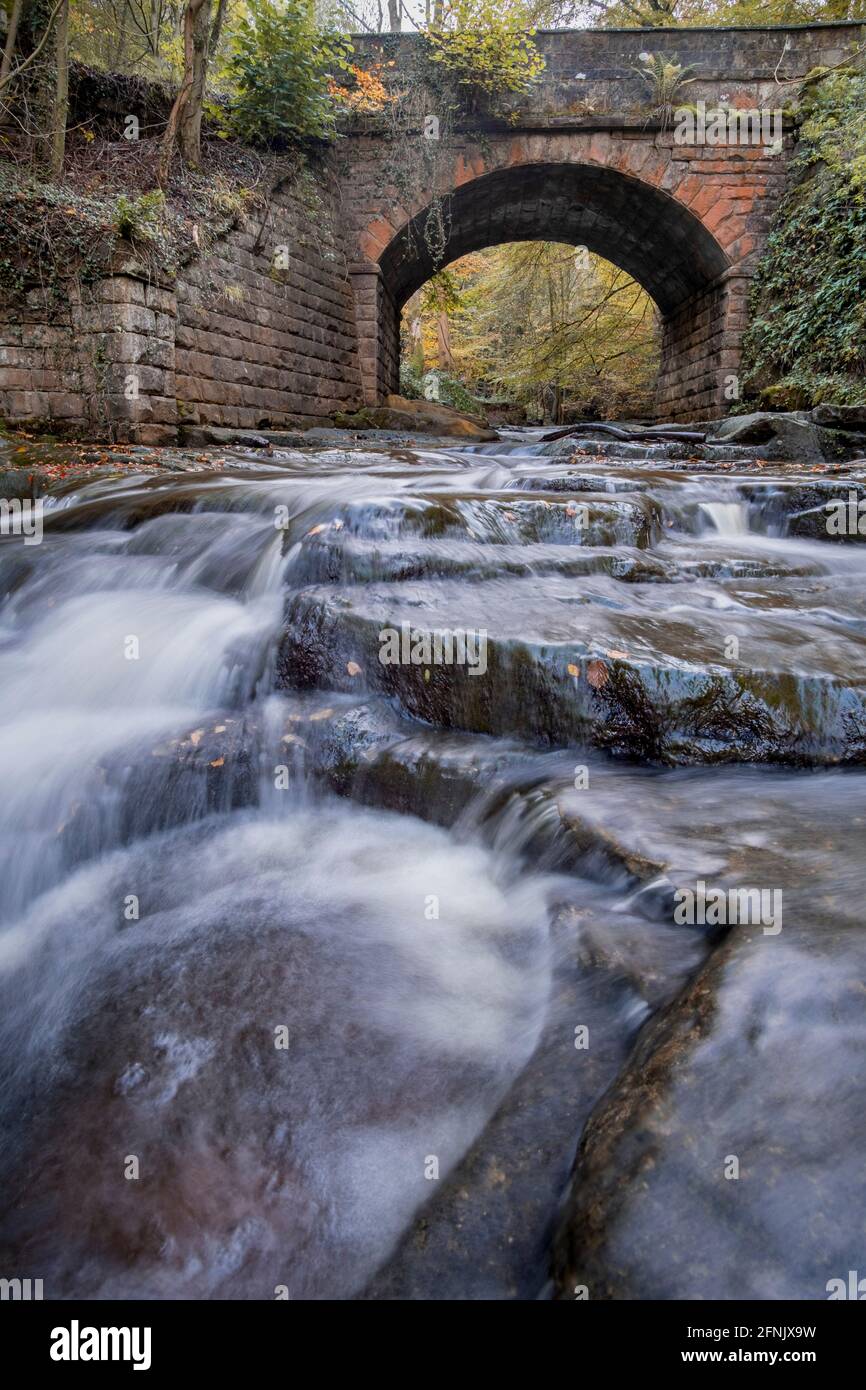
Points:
x=297 y=947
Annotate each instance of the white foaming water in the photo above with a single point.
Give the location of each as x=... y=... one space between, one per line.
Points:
x=97 y=674
x=727 y=518
x=405 y=1024
x=261 y=1165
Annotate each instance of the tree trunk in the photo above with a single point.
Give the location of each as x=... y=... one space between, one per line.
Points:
x=416 y=353
x=443 y=342
x=216 y=27
x=184 y=122
x=11 y=37
x=60 y=106
x=395 y=16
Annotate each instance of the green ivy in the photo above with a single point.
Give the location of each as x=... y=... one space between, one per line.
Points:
x=807 y=336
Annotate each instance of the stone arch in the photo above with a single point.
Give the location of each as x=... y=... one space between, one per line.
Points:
x=650 y=225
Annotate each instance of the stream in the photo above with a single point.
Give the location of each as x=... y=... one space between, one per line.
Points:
x=328 y=976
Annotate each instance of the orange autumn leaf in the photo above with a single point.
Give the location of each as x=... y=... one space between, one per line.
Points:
x=596 y=674
x=573 y=670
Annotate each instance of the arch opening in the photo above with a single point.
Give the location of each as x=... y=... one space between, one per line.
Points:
x=637 y=227
x=644 y=231
x=532 y=332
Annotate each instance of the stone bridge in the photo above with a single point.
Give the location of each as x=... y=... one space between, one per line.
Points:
x=579 y=161
x=230 y=341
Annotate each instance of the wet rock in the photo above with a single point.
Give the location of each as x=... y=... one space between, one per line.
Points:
x=262 y=1164
x=760 y=1060
x=199 y=435
x=591 y=668
x=784 y=435
x=328 y=558
x=425 y=417
x=841 y=417
x=486 y=1230
x=726 y=1074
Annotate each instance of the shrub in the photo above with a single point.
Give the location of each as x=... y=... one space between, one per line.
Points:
x=448 y=390
x=138 y=219
x=411 y=383
x=486 y=47
x=663 y=77
x=281 y=70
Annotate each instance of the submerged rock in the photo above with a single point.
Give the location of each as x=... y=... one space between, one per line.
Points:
x=726 y=1161
x=588 y=668
x=423 y=416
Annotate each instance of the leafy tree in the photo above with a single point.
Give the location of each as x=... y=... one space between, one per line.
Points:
x=541 y=321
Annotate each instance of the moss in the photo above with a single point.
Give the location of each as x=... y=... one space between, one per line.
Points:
x=53 y=233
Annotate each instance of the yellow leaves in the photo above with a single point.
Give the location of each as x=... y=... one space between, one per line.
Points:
x=368 y=96
x=596 y=672
x=218 y=762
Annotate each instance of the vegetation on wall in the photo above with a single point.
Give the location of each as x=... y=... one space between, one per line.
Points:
x=807 y=338
x=485 y=47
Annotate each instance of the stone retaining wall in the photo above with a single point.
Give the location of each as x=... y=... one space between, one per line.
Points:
x=257 y=333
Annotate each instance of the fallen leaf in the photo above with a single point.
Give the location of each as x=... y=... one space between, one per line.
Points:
x=574 y=670
x=196 y=737
x=353 y=668
x=596 y=674
x=217 y=762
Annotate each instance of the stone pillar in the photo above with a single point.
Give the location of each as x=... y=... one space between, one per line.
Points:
x=378 y=329
x=701 y=350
